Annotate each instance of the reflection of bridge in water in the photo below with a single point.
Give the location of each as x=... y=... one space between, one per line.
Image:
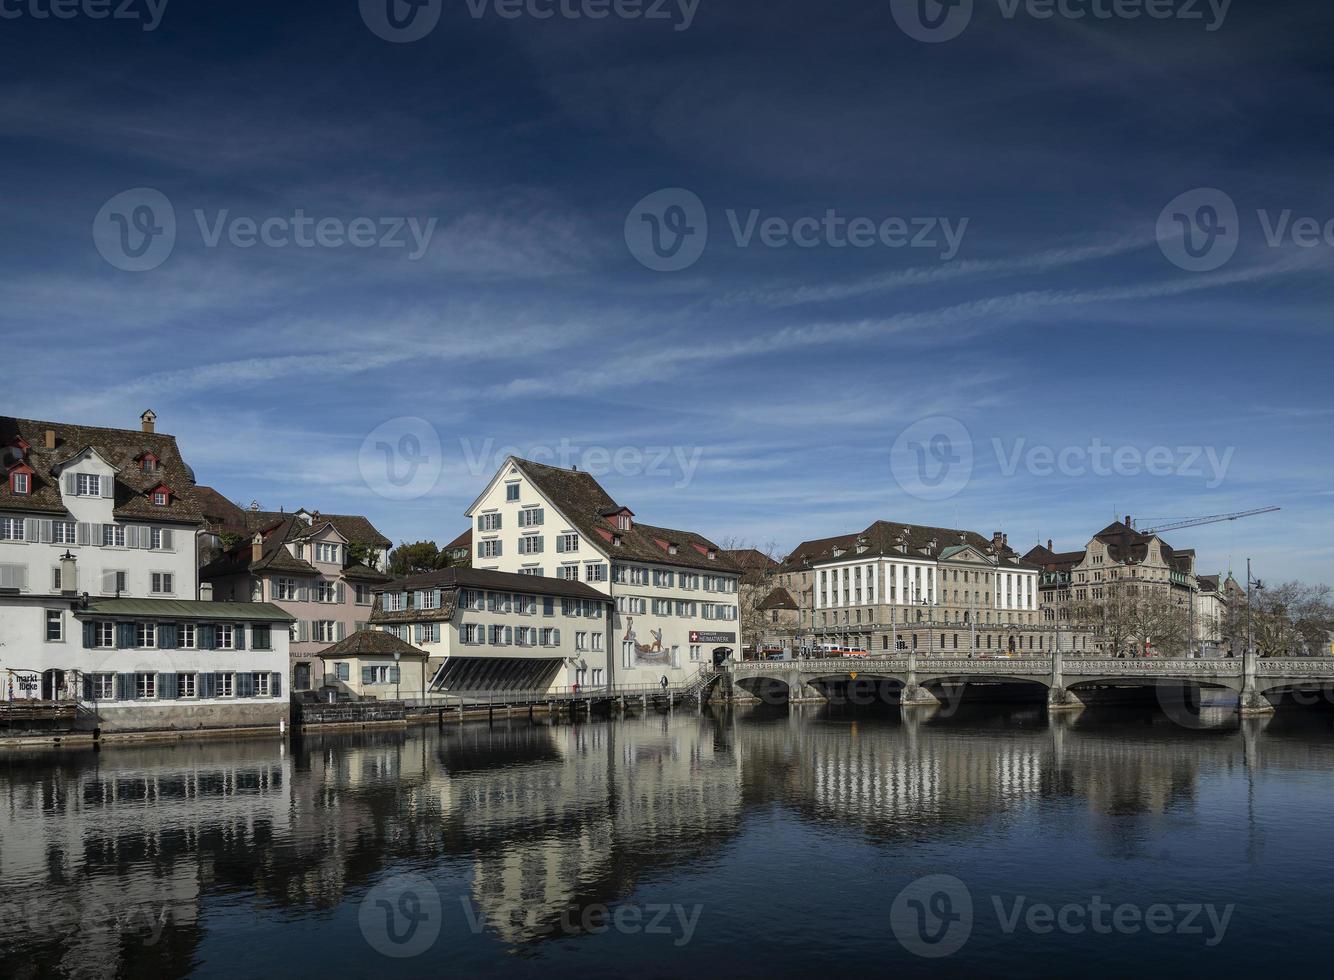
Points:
x=1065 y=683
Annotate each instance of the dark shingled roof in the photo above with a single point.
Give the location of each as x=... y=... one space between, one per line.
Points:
x=1125 y=544
x=187 y=609
x=121 y=448
x=476 y=578
x=884 y=537
x=752 y=559
x=220 y=513
x=1053 y=561
x=353 y=528
x=583 y=501
x=778 y=599
x=273 y=556
x=371 y=643
x=463 y=541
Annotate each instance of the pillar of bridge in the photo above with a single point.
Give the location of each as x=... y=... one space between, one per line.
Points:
x=1252 y=703
x=915 y=696
x=797 y=689
x=1058 y=698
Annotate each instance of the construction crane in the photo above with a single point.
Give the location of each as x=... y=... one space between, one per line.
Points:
x=1196 y=521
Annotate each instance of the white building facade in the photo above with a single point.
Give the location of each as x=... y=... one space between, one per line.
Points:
x=673 y=593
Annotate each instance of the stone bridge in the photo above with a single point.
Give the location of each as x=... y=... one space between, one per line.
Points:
x=1064 y=681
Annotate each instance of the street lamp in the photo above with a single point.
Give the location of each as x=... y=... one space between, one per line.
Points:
x=398 y=676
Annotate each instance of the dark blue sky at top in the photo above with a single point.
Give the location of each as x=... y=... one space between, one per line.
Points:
x=785 y=375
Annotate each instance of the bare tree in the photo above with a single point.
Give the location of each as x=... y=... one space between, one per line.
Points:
x=1291 y=619
x=757 y=564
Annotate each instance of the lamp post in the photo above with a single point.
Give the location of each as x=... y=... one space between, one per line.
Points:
x=398 y=676
x=1259 y=587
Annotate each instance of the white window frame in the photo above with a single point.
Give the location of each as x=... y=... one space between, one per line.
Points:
x=113 y=535
x=22 y=483
x=226 y=685
x=185 y=636
x=104 y=687
x=162 y=583
x=145 y=686
x=226 y=637
x=190 y=680
x=87 y=485
x=64 y=532
x=261 y=680
x=104 y=635
x=59 y=620
x=145 y=636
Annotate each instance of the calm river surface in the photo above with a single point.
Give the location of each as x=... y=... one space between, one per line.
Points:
x=751 y=843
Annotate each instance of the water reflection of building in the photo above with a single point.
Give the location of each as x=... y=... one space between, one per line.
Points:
x=103 y=856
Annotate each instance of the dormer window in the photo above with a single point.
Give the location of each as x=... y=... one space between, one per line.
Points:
x=20 y=481
x=671 y=549
x=160 y=498
x=148 y=463
x=623 y=522
x=87 y=485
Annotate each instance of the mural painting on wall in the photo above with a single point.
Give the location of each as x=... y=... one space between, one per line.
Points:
x=646 y=653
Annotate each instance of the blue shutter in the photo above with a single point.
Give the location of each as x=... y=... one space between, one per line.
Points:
x=238 y=636
x=207 y=685
x=89 y=635
x=87 y=687
x=417 y=633
x=206 y=637
x=124 y=687
x=245 y=685
x=167 y=638
x=276 y=685
x=393 y=675
x=124 y=636
x=560 y=544
x=365 y=675
x=166 y=686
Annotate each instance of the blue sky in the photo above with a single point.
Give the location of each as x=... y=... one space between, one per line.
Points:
x=767 y=391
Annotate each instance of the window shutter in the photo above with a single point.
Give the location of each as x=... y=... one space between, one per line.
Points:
x=30 y=532
x=166 y=686
x=340 y=594
x=560 y=544
x=417 y=633
x=207 y=684
x=71 y=484
x=89 y=635
x=166 y=636
x=124 y=636
x=303 y=631
x=81 y=533
x=365 y=675
x=555 y=637
x=276 y=685
x=167 y=544
x=131 y=536
x=339 y=630
x=207 y=637
x=245 y=685
x=108 y=486
x=238 y=636
x=393 y=675
x=87 y=686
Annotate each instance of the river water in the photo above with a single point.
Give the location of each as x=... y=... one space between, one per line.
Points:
x=763 y=842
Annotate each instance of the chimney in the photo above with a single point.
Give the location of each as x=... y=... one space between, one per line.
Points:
x=205 y=591
x=997 y=540
x=257 y=547
x=1128 y=522
x=147 y=419
x=49 y=438
x=69 y=574
x=1049 y=547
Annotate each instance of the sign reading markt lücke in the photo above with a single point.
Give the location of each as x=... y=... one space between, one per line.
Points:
x=698 y=637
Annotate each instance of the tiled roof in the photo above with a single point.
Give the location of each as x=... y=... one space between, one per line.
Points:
x=583 y=501
x=463 y=541
x=376 y=643
x=353 y=528
x=121 y=448
x=751 y=559
x=476 y=578
x=1053 y=561
x=364 y=573
x=273 y=556
x=778 y=599
x=884 y=538
x=187 y=609
x=220 y=512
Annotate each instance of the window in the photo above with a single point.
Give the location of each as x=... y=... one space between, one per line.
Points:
x=326 y=552
x=162 y=583
x=530 y=544
x=145 y=685
x=427 y=633
x=145 y=635
x=11 y=529
x=64 y=532
x=87 y=485
x=159 y=498
x=569 y=573
x=473 y=633
x=187 y=685
x=595 y=573
x=581 y=641
x=597 y=642
x=226 y=685
x=694 y=652
x=511 y=491
x=488 y=522
x=226 y=639
x=185 y=636
x=343 y=671
x=533 y=570
x=363 y=594
x=104 y=687
x=531 y=517
x=597 y=676
x=113 y=536
x=55 y=580
x=284 y=588
x=20 y=483
x=159 y=539
x=260 y=683
x=567 y=543
x=324 y=630
x=55 y=626
x=105 y=635
x=325 y=591
x=261 y=638
x=488 y=549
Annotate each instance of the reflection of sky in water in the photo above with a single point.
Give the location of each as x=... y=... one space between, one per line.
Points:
x=791 y=836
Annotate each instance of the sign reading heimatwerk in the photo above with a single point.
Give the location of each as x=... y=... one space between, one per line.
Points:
x=698 y=637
